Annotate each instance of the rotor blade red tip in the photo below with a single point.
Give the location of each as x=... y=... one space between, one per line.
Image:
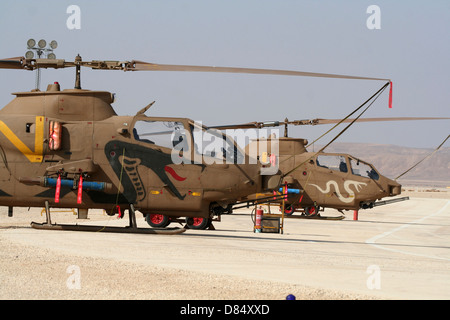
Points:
x=390 y=95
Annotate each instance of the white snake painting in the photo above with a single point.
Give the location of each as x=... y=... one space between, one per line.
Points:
x=347 y=183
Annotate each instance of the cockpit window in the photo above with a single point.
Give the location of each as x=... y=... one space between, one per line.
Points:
x=214 y=144
x=162 y=133
x=362 y=169
x=332 y=162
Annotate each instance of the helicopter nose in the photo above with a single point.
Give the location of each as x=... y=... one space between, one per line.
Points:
x=394 y=188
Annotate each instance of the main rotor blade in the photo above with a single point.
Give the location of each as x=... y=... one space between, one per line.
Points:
x=332 y=121
x=317 y=121
x=22 y=63
x=12 y=63
x=31 y=64
x=145 y=66
x=239 y=126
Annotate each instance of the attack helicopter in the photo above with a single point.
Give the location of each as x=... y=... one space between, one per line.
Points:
x=317 y=180
x=69 y=149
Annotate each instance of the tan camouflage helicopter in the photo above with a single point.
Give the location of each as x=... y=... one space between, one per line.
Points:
x=317 y=180
x=69 y=149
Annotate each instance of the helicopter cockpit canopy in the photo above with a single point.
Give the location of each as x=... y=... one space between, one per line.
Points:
x=210 y=145
x=363 y=169
x=346 y=163
x=215 y=144
x=162 y=133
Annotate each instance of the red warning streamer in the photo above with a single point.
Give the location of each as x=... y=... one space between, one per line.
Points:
x=80 y=190
x=390 y=94
x=285 y=191
x=58 y=189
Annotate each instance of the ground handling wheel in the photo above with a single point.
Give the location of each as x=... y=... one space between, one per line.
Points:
x=156 y=220
x=311 y=211
x=198 y=223
x=289 y=209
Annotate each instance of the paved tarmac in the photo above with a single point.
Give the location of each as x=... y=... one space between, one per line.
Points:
x=396 y=251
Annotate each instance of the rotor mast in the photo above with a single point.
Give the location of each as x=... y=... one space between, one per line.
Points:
x=78 y=72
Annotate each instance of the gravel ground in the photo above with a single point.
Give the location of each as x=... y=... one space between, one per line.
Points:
x=34 y=272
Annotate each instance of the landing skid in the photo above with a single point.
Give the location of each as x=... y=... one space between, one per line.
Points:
x=67 y=227
x=317 y=216
x=132 y=228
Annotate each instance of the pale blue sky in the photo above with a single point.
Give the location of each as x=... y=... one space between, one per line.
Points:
x=412 y=48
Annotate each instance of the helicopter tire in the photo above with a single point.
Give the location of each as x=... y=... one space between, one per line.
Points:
x=289 y=209
x=311 y=211
x=156 y=220
x=198 y=223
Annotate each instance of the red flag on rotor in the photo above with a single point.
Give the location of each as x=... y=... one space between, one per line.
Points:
x=390 y=95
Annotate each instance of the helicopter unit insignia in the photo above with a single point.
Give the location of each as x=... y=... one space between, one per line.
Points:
x=347 y=183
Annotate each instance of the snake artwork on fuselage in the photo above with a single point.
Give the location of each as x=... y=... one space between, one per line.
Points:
x=125 y=158
x=358 y=185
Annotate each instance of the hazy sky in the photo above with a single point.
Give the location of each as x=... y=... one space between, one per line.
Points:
x=412 y=48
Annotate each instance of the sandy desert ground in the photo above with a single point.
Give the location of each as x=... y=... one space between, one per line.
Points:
x=397 y=251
